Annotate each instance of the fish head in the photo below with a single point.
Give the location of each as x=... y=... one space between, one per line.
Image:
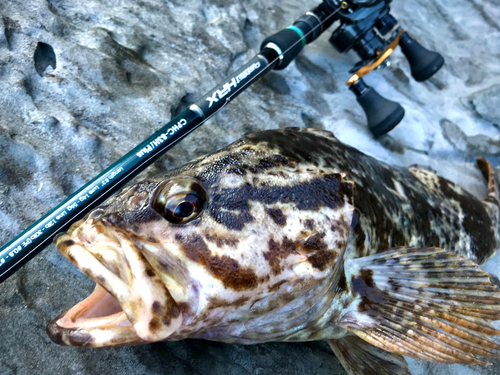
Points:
x=223 y=241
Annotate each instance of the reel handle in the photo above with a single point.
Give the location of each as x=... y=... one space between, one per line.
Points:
x=382 y=114
x=423 y=63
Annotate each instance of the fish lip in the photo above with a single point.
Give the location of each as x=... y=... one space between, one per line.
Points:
x=75 y=336
x=140 y=305
x=67 y=337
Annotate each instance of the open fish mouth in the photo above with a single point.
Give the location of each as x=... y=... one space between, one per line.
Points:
x=96 y=321
x=130 y=304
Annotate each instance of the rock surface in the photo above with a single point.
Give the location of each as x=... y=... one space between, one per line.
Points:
x=84 y=82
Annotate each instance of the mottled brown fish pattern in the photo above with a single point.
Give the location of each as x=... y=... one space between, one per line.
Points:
x=398 y=206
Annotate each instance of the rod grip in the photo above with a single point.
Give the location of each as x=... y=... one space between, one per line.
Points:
x=290 y=41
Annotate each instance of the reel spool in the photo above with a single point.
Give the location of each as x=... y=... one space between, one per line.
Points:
x=374 y=34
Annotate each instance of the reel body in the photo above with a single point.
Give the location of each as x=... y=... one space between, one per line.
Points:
x=368 y=28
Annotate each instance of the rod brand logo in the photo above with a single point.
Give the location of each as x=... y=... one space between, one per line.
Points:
x=233 y=83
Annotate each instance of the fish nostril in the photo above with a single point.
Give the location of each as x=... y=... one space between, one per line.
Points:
x=44 y=57
x=138 y=201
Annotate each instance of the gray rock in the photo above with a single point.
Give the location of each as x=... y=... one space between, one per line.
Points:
x=487 y=104
x=477 y=145
x=84 y=82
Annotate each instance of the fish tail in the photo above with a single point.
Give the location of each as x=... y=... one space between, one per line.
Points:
x=489 y=175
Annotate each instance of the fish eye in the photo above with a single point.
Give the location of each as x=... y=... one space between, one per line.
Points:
x=180 y=201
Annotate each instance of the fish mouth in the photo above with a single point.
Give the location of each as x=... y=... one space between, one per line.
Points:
x=130 y=304
x=96 y=321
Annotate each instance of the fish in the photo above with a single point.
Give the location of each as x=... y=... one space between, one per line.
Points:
x=290 y=235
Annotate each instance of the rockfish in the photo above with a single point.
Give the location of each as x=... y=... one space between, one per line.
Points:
x=290 y=235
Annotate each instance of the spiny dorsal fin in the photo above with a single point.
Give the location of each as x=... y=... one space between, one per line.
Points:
x=425 y=303
x=360 y=358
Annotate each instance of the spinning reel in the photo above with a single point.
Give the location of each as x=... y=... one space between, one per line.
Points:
x=369 y=29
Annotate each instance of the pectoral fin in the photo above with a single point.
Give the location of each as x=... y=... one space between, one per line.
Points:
x=360 y=358
x=424 y=303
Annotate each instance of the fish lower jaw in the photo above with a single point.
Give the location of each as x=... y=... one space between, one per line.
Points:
x=94 y=322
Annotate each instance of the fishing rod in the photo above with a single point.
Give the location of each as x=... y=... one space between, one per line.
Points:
x=366 y=26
